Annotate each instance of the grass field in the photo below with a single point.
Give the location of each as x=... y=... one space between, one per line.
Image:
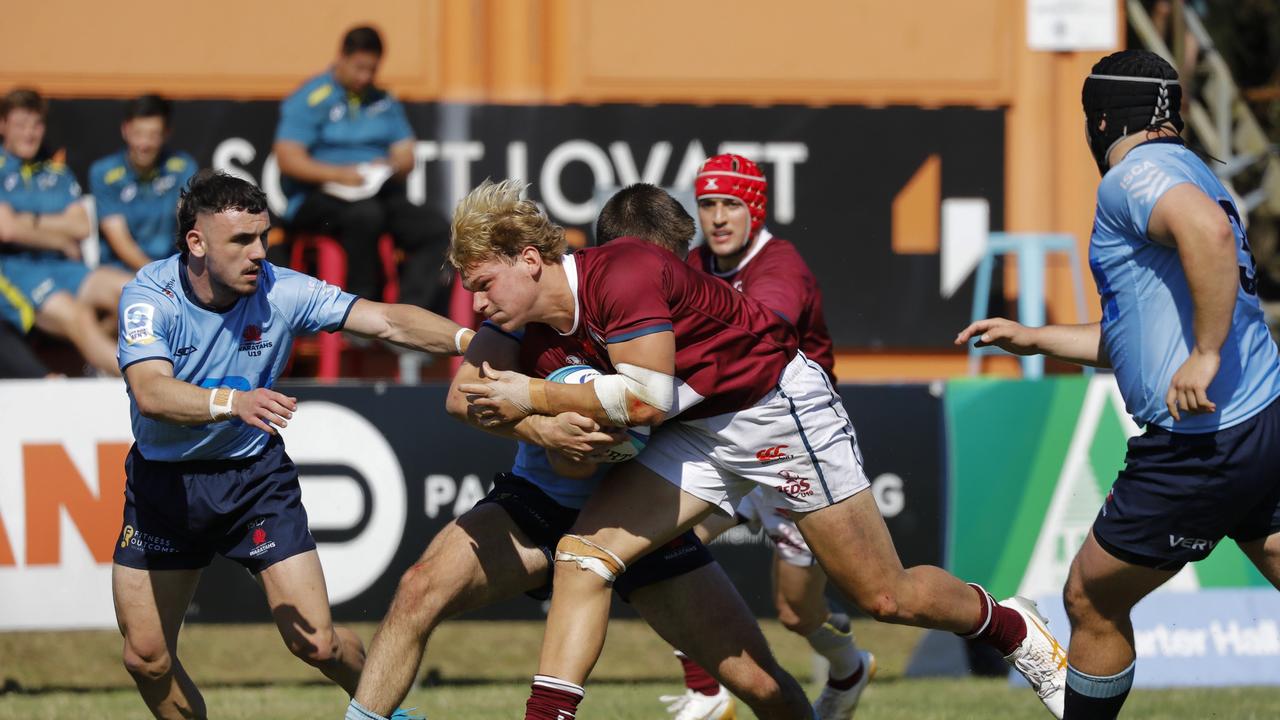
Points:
x=481 y=670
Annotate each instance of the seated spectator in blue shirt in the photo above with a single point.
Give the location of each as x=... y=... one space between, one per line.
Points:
x=137 y=188
x=332 y=130
x=42 y=224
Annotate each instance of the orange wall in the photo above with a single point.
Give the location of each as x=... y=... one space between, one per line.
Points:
x=867 y=52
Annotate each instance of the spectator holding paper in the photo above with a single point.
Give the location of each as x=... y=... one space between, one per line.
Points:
x=345 y=146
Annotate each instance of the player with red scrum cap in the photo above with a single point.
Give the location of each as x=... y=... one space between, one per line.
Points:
x=732 y=195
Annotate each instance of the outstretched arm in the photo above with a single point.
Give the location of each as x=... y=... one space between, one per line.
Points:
x=1080 y=344
x=409 y=326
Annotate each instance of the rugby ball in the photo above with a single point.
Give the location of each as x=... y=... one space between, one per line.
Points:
x=637 y=437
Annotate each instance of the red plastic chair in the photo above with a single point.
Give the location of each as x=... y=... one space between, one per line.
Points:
x=330 y=265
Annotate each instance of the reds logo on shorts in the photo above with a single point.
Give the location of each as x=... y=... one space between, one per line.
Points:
x=795 y=486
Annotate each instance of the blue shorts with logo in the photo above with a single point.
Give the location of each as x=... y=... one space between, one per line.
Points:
x=1181 y=493
x=545 y=521
x=40 y=277
x=177 y=515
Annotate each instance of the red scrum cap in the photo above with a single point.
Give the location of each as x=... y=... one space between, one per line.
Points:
x=736 y=177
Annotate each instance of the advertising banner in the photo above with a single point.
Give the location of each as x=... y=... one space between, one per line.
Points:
x=838 y=176
x=1029 y=466
x=382 y=468
x=1211 y=637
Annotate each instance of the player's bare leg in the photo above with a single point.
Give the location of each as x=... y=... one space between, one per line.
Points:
x=652 y=511
x=1101 y=590
x=101 y=289
x=1265 y=555
x=733 y=648
x=927 y=596
x=299 y=603
x=799 y=595
x=64 y=316
x=476 y=560
x=873 y=576
x=150 y=605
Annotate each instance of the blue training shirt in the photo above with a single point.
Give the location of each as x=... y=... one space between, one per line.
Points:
x=148 y=203
x=44 y=187
x=244 y=347
x=338 y=127
x=1146 y=303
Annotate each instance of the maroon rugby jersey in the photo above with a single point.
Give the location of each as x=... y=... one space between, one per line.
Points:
x=730 y=349
x=776 y=275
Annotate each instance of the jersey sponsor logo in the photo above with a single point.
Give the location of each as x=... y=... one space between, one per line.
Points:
x=138 y=320
x=128 y=192
x=771 y=454
x=168 y=289
x=175 y=164
x=795 y=486
x=113 y=175
x=184 y=350
x=1146 y=182
x=381 y=106
x=11 y=183
x=337 y=112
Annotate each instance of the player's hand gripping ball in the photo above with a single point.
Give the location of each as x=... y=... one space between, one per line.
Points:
x=637 y=437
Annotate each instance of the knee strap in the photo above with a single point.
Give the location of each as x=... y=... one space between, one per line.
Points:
x=589 y=556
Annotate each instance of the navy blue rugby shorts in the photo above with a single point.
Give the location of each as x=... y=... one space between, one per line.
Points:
x=1181 y=493
x=177 y=515
x=545 y=521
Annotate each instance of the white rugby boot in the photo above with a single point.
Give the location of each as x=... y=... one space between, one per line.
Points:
x=695 y=706
x=833 y=704
x=1040 y=659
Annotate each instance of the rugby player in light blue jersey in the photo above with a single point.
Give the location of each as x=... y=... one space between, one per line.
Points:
x=1183 y=329
x=203 y=337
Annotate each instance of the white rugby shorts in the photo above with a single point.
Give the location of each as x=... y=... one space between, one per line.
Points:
x=796 y=442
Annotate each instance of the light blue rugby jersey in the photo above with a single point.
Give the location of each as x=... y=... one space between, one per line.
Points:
x=244 y=347
x=531 y=463
x=1146 y=303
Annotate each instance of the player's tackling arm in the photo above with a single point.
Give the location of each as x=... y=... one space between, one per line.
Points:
x=1079 y=344
x=571 y=434
x=409 y=326
x=640 y=393
x=161 y=396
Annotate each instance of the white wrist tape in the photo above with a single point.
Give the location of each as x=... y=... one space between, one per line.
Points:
x=457 y=340
x=651 y=387
x=220 y=403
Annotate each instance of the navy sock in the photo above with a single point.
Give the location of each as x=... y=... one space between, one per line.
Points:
x=1090 y=697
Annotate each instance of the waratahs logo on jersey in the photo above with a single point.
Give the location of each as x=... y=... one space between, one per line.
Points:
x=253 y=344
